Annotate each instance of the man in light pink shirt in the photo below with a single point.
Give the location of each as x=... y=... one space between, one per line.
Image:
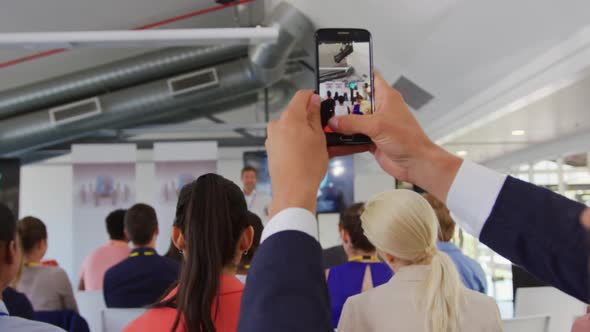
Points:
x=103 y=258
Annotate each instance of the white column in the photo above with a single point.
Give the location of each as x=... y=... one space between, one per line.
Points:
x=532 y=172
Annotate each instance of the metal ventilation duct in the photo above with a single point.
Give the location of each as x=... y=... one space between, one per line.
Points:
x=113 y=76
x=132 y=106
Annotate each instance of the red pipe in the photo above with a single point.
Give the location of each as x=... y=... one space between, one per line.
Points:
x=143 y=27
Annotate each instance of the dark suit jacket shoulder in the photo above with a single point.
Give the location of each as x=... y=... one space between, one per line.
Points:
x=541 y=231
x=286 y=288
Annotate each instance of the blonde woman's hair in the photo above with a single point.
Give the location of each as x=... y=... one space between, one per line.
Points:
x=403 y=224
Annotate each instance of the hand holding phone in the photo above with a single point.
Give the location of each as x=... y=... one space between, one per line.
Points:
x=344 y=79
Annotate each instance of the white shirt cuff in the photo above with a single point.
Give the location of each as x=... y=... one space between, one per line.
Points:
x=473 y=194
x=291 y=219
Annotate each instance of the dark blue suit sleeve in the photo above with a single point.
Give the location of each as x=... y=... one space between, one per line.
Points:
x=540 y=231
x=286 y=287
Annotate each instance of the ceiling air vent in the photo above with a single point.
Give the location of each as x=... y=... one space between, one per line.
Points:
x=194 y=81
x=75 y=111
x=414 y=95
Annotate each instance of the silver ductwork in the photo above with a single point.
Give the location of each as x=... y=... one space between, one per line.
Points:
x=113 y=76
x=136 y=105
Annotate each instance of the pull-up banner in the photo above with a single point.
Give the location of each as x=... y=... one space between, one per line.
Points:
x=104 y=180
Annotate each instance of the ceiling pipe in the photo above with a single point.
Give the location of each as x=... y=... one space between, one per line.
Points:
x=132 y=106
x=113 y=76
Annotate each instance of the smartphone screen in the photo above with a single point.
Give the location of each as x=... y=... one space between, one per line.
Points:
x=345 y=77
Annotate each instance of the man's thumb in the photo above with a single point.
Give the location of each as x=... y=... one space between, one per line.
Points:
x=354 y=124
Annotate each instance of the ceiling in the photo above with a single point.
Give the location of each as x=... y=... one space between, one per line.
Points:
x=485 y=62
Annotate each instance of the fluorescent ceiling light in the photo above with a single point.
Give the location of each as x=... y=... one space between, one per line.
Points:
x=518 y=132
x=461 y=153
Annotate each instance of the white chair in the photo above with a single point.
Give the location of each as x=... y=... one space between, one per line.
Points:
x=115 y=320
x=561 y=307
x=90 y=305
x=526 y=324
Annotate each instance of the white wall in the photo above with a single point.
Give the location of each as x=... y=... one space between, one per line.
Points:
x=46 y=192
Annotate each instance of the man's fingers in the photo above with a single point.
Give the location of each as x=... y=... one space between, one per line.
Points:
x=313 y=112
x=298 y=105
x=354 y=124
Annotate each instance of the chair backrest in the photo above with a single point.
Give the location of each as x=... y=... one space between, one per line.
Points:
x=115 y=320
x=526 y=324
x=90 y=305
x=561 y=307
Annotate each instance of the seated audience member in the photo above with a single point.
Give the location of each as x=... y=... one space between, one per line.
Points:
x=214 y=235
x=363 y=270
x=48 y=287
x=256 y=223
x=10 y=262
x=340 y=109
x=470 y=271
x=103 y=258
x=17 y=303
x=143 y=277
x=426 y=293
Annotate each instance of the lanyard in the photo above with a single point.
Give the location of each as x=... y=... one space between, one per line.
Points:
x=371 y=259
x=32 y=264
x=145 y=253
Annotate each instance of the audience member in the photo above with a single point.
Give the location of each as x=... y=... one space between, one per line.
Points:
x=341 y=109
x=103 y=258
x=214 y=235
x=244 y=265
x=10 y=262
x=143 y=277
x=426 y=293
x=327 y=108
x=363 y=270
x=257 y=201
x=470 y=271
x=48 y=287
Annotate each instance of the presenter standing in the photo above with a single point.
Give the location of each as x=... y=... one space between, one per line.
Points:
x=257 y=201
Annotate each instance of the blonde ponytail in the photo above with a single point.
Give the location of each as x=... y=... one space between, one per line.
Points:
x=403 y=224
x=442 y=297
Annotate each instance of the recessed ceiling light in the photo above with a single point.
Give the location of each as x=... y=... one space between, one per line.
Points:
x=518 y=132
x=461 y=153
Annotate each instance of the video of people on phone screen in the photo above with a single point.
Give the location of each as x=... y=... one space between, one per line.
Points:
x=345 y=79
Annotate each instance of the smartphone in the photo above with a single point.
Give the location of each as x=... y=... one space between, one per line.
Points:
x=344 y=70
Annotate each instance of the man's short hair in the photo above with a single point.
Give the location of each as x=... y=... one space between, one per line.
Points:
x=141 y=224
x=7 y=224
x=116 y=224
x=31 y=231
x=249 y=169
x=446 y=223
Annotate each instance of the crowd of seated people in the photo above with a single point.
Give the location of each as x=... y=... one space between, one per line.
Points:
x=287 y=288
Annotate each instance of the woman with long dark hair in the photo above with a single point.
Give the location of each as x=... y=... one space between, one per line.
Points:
x=213 y=235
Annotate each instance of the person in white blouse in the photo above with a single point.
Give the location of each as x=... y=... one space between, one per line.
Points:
x=258 y=201
x=518 y=220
